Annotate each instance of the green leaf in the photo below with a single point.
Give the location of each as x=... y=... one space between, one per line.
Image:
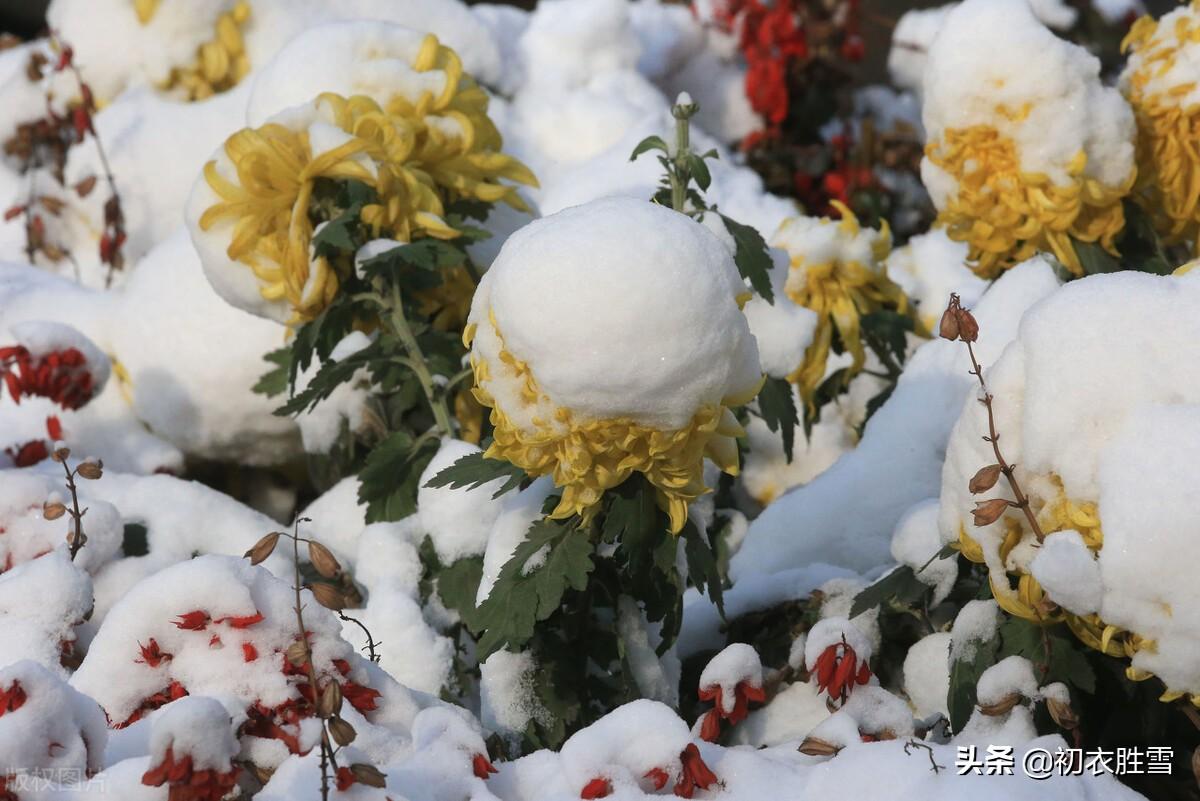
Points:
x=648 y=144
x=458 y=584
x=329 y=377
x=964 y=676
x=275 y=382
x=1054 y=657
x=337 y=236
x=900 y=586
x=699 y=171
x=424 y=254
x=1095 y=259
x=777 y=407
x=889 y=328
x=752 y=259
x=474 y=470
x=527 y=592
x=387 y=484
x=702 y=565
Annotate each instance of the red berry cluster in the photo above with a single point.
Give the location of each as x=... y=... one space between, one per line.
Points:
x=61 y=375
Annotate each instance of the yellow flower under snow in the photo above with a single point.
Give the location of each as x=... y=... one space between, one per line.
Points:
x=607 y=340
x=221 y=62
x=1162 y=82
x=837 y=271
x=1026 y=151
x=417 y=153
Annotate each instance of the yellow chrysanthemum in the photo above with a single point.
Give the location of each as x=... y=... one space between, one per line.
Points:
x=221 y=63
x=837 y=271
x=1162 y=87
x=587 y=457
x=1029 y=600
x=417 y=154
x=1007 y=214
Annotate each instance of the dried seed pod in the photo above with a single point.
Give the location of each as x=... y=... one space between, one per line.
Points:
x=985 y=479
x=323 y=560
x=948 y=329
x=90 y=470
x=968 y=327
x=1002 y=706
x=263 y=548
x=61 y=454
x=85 y=187
x=988 y=512
x=330 y=702
x=53 y=510
x=1062 y=714
x=72 y=538
x=342 y=732
x=368 y=775
x=297 y=653
x=328 y=596
x=815 y=746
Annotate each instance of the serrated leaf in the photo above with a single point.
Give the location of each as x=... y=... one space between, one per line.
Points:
x=424 y=254
x=474 y=470
x=647 y=144
x=337 y=235
x=751 y=256
x=889 y=328
x=900 y=586
x=275 y=381
x=525 y=594
x=703 y=570
x=328 y=378
x=777 y=407
x=387 y=484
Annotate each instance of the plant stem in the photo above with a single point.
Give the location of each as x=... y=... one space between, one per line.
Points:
x=436 y=399
x=326 y=750
x=76 y=515
x=681 y=174
x=993 y=437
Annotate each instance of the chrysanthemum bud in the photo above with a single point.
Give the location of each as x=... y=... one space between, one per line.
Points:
x=1062 y=714
x=342 y=732
x=985 y=479
x=1002 y=706
x=53 y=510
x=263 y=548
x=949 y=325
x=323 y=560
x=815 y=746
x=368 y=775
x=988 y=512
x=90 y=470
x=330 y=702
x=328 y=596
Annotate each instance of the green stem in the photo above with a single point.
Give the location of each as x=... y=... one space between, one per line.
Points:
x=436 y=399
x=681 y=175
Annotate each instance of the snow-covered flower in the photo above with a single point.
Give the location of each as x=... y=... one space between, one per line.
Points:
x=837 y=656
x=731 y=680
x=252 y=208
x=193 y=750
x=221 y=62
x=607 y=340
x=837 y=271
x=1027 y=150
x=1160 y=81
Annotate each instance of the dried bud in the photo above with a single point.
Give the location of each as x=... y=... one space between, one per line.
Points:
x=52 y=204
x=949 y=325
x=985 y=479
x=73 y=538
x=368 y=775
x=53 y=510
x=330 y=702
x=297 y=653
x=323 y=560
x=90 y=470
x=1002 y=706
x=968 y=328
x=342 y=732
x=815 y=746
x=85 y=187
x=988 y=512
x=1062 y=714
x=263 y=548
x=328 y=596
x=61 y=454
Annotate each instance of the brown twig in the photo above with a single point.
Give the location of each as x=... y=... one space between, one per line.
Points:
x=78 y=538
x=911 y=743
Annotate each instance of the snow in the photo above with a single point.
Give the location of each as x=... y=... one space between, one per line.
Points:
x=917 y=541
x=458 y=521
x=654 y=309
x=977 y=621
x=736 y=664
x=508 y=701
x=196 y=727
x=1000 y=44
x=54 y=730
x=783 y=328
x=1068 y=572
x=927 y=674
x=1012 y=675
x=625 y=745
x=846 y=515
x=928 y=268
x=41 y=604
